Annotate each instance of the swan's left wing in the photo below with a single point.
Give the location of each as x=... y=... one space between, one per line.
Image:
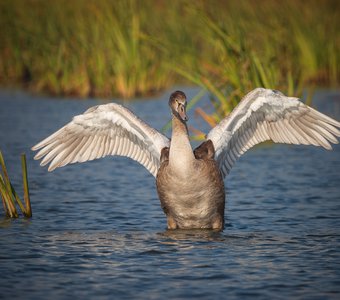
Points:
x=108 y=129
x=265 y=114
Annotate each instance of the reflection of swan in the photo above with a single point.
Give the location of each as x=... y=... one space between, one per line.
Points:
x=189 y=183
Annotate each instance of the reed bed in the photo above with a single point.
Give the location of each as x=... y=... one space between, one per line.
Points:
x=10 y=198
x=131 y=48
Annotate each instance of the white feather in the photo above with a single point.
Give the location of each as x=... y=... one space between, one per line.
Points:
x=103 y=130
x=265 y=114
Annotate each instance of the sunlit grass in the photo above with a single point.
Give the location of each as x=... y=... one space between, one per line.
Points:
x=128 y=48
x=288 y=45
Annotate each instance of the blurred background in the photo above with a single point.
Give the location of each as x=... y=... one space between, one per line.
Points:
x=131 y=48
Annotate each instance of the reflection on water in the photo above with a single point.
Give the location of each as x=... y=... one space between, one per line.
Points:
x=192 y=235
x=98 y=230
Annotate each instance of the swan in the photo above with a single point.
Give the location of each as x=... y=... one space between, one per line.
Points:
x=190 y=183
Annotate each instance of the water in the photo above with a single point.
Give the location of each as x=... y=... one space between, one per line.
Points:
x=98 y=230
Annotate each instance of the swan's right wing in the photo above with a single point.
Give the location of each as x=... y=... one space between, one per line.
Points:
x=103 y=130
x=265 y=114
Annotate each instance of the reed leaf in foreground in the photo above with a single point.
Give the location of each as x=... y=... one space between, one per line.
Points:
x=8 y=194
x=28 y=211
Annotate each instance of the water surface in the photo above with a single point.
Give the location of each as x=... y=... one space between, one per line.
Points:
x=98 y=229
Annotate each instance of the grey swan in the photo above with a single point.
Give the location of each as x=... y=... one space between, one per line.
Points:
x=189 y=183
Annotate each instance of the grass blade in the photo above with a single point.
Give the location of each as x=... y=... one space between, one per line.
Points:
x=7 y=198
x=28 y=210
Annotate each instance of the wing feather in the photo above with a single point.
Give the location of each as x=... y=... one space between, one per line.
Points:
x=316 y=126
x=109 y=129
x=62 y=156
x=263 y=115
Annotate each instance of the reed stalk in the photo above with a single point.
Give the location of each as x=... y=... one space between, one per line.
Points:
x=28 y=209
x=8 y=194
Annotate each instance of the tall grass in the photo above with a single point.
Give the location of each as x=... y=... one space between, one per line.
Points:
x=80 y=48
x=128 y=48
x=287 y=45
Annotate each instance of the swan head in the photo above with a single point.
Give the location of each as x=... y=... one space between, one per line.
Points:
x=178 y=104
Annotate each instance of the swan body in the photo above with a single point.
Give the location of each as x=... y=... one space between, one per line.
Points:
x=189 y=183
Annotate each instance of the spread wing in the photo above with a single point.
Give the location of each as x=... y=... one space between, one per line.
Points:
x=263 y=115
x=109 y=129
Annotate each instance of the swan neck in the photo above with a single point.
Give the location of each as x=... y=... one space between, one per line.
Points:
x=181 y=155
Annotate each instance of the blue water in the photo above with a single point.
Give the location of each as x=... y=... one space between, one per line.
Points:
x=98 y=230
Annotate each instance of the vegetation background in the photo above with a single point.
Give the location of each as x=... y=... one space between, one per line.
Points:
x=129 y=48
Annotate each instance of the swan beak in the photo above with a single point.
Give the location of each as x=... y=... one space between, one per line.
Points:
x=182 y=112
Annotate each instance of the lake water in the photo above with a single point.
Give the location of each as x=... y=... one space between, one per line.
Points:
x=98 y=230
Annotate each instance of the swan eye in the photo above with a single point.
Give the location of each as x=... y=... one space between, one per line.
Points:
x=178 y=104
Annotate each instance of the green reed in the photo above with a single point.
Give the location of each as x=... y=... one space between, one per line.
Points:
x=269 y=44
x=128 y=48
x=8 y=194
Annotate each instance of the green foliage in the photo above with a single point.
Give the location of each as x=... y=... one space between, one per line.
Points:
x=128 y=48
